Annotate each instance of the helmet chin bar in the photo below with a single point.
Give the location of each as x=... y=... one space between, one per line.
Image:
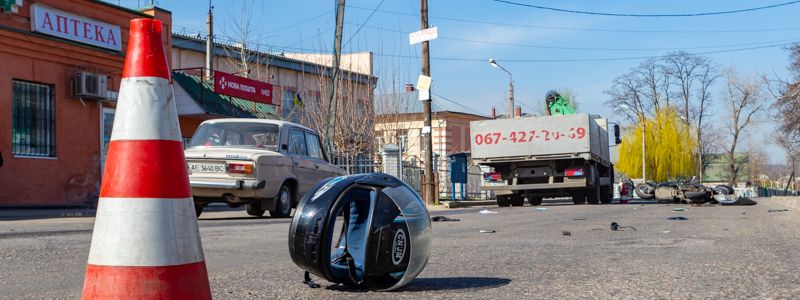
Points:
x=376 y=247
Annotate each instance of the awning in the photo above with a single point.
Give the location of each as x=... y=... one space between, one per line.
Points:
x=209 y=102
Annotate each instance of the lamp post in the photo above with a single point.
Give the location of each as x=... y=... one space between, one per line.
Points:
x=510 y=87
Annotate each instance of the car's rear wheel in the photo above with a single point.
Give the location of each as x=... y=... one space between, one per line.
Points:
x=198 y=209
x=535 y=200
x=254 y=209
x=283 y=207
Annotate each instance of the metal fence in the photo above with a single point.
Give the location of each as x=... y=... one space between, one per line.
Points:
x=355 y=163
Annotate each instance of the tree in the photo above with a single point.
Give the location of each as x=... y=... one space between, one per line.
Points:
x=787 y=104
x=744 y=98
x=677 y=79
x=693 y=76
x=670 y=151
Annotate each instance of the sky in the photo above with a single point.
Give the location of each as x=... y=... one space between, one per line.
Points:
x=543 y=49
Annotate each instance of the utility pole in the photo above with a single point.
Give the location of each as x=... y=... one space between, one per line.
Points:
x=337 y=53
x=513 y=113
x=209 y=41
x=428 y=193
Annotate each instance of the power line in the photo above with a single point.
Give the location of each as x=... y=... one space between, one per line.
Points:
x=647 y=15
x=364 y=23
x=483 y=60
x=585 y=29
x=582 y=48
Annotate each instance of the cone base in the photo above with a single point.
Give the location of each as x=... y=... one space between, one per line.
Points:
x=189 y=281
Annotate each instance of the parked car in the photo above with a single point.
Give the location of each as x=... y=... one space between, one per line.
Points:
x=266 y=165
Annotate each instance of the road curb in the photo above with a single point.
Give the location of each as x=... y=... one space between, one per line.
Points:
x=792 y=202
x=470 y=203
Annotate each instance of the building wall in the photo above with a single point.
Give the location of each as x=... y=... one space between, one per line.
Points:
x=450 y=134
x=72 y=176
x=310 y=86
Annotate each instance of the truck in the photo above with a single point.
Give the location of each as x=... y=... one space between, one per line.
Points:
x=560 y=155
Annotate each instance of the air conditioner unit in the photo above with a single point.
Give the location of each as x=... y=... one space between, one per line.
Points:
x=90 y=85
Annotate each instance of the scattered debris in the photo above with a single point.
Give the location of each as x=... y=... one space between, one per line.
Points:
x=679 y=209
x=678 y=218
x=541 y=208
x=566 y=233
x=735 y=201
x=444 y=219
x=779 y=210
x=486 y=211
x=666 y=231
x=615 y=226
x=488 y=231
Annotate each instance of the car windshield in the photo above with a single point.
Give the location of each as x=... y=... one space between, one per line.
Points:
x=236 y=134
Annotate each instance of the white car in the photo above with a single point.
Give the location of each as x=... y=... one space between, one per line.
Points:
x=266 y=165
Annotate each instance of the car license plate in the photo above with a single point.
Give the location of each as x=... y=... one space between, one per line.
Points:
x=196 y=167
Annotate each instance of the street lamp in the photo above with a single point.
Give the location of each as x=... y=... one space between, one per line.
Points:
x=510 y=87
x=644 y=143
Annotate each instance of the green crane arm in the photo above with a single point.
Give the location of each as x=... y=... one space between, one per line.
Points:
x=558 y=105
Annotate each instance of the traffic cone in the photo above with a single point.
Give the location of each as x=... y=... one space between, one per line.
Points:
x=146 y=243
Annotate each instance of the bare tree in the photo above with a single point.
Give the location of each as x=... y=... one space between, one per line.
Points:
x=787 y=104
x=236 y=41
x=693 y=77
x=745 y=99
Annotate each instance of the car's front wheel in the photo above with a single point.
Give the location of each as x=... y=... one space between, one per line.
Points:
x=283 y=207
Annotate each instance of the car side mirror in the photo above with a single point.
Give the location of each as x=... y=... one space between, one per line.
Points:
x=617 y=140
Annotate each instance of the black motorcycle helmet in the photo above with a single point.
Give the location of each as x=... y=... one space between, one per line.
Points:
x=366 y=230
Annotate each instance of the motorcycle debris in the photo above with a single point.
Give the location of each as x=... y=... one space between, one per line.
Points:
x=486 y=211
x=541 y=208
x=779 y=210
x=615 y=226
x=678 y=218
x=443 y=219
x=488 y=231
x=665 y=231
x=566 y=233
x=679 y=209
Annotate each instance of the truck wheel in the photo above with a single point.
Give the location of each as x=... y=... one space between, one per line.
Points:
x=198 y=209
x=579 y=198
x=606 y=195
x=535 y=200
x=517 y=200
x=254 y=209
x=284 y=206
x=503 y=200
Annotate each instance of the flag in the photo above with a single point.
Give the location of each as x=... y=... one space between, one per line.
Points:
x=298 y=101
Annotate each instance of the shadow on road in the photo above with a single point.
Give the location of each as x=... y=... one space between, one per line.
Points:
x=436 y=284
x=453 y=283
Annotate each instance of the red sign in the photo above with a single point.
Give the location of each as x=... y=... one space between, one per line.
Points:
x=240 y=87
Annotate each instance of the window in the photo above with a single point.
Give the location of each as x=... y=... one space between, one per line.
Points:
x=33 y=126
x=314 y=149
x=297 y=142
x=288 y=110
x=236 y=134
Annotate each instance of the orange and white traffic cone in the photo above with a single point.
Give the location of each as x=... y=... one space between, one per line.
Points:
x=146 y=243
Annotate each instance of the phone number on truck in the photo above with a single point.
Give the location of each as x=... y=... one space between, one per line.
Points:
x=493 y=138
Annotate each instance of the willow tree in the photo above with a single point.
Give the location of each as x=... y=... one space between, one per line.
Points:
x=669 y=146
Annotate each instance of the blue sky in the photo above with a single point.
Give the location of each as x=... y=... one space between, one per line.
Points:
x=295 y=26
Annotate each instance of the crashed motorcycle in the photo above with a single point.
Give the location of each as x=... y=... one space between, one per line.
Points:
x=690 y=192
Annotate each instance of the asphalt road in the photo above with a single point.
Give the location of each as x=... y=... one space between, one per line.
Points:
x=719 y=252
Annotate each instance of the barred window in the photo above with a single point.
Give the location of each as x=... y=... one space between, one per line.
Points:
x=33 y=126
